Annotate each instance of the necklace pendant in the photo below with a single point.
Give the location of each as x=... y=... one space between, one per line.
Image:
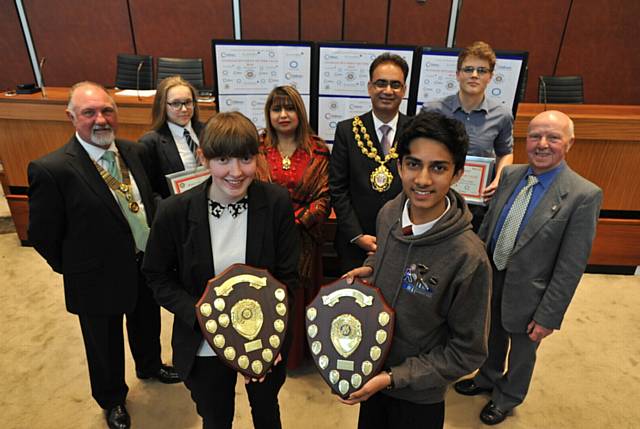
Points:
x=286 y=162
x=134 y=207
x=381 y=178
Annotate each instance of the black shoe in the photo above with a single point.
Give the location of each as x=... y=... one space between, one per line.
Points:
x=118 y=418
x=492 y=415
x=166 y=374
x=468 y=387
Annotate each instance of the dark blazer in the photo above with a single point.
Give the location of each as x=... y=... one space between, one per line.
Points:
x=76 y=224
x=552 y=250
x=355 y=202
x=179 y=263
x=164 y=156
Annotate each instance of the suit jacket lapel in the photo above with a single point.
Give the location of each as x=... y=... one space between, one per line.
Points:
x=169 y=149
x=546 y=209
x=79 y=160
x=508 y=184
x=200 y=236
x=257 y=223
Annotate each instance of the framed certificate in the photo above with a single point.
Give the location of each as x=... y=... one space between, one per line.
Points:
x=184 y=180
x=478 y=172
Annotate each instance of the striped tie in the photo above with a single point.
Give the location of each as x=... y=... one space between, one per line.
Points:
x=192 y=144
x=507 y=238
x=386 y=145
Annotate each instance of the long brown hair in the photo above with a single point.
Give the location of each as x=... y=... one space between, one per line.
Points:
x=290 y=97
x=159 y=109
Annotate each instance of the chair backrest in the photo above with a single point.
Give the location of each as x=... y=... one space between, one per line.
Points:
x=523 y=89
x=126 y=74
x=560 y=89
x=190 y=69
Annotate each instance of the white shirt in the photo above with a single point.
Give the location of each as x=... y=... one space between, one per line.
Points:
x=95 y=153
x=228 y=246
x=423 y=227
x=377 y=123
x=188 y=158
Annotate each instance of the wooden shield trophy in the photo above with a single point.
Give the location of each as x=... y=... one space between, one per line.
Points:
x=243 y=315
x=349 y=330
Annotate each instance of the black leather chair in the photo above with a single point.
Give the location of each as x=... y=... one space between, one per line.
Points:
x=127 y=76
x=190 y=69
x=560 y=89
x=523 y=88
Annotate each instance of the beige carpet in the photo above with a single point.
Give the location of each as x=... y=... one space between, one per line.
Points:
x=587 y=375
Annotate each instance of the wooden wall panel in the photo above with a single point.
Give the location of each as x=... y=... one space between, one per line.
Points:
x=80 y=39
x=601 y=44
x=365 y=20
x=16 y=68
x=321 y=21
x=534 y=26
x=161 y=32
x=270 y=20
x=413 y=23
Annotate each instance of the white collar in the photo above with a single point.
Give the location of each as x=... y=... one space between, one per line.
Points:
x=423 y=227
x=377 y=123
x=178 y=131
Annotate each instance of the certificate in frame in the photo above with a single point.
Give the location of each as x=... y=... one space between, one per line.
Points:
x=478 y=172
x=184 y=180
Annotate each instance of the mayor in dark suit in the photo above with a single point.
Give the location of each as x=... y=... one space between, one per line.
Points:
x=539 y=229
x=231 y=218
x=175 y=129
x=90 y=204
x=363 y=174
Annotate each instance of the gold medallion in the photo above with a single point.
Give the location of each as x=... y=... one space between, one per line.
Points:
x=218 y=303
x=346 y=334
x=230 y=353
x=281 y=309
x=286 y=162
x=375 y=352
x=219 y=341
x=323 y=361
x=334 y=376
x=205 y=309
x=267 y=355
x=381 y=336
x=274 y=340
x=383 y=318
x=316 y=347
x=211 y=326
x=381 y=178
x=343 y=386
x=256 y=366
x=356 y=380
x=278 y=325
x=223 y=320
x=243 y=362
x=311 y=313
x=312 y=330
x=247 y=318
x=279 y=294
x=367 y=367
x=134 y=207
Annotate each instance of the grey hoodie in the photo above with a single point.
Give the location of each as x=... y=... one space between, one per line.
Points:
x=439 y=284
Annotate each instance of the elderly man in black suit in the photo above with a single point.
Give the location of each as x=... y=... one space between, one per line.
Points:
x=90 y=205
x=538 y=231
x=363 y=174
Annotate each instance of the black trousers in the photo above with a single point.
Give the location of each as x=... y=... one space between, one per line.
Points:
x=212 y=385
x=384 y=412
x=104 y=344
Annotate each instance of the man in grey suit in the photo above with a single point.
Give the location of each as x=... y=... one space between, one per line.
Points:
x=538 y=231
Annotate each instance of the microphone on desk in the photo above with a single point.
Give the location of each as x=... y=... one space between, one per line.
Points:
x=41 y=65
x=138 y=79
x=543 y=85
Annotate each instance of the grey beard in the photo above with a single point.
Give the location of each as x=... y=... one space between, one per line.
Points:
x=102 y=139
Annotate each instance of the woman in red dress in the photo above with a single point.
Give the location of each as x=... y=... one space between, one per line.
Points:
x=294 y=157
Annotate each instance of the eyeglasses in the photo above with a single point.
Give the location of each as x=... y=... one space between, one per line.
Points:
x=177 y=105
x=470 y=69
x=383 y=84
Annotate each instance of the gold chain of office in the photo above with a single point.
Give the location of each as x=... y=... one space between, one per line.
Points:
x=381 y=177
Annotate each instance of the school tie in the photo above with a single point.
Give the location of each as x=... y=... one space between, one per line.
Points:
x=137 y=221
x=386 y=144
x=192 y=144
x=507 y=238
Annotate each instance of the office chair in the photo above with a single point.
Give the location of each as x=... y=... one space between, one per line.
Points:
x=560 y=89
x=127 y=72
x=523 y=88
x=190 y=69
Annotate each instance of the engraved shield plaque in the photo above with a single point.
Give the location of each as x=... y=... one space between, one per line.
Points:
x=243 y=315
x=349 y=330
